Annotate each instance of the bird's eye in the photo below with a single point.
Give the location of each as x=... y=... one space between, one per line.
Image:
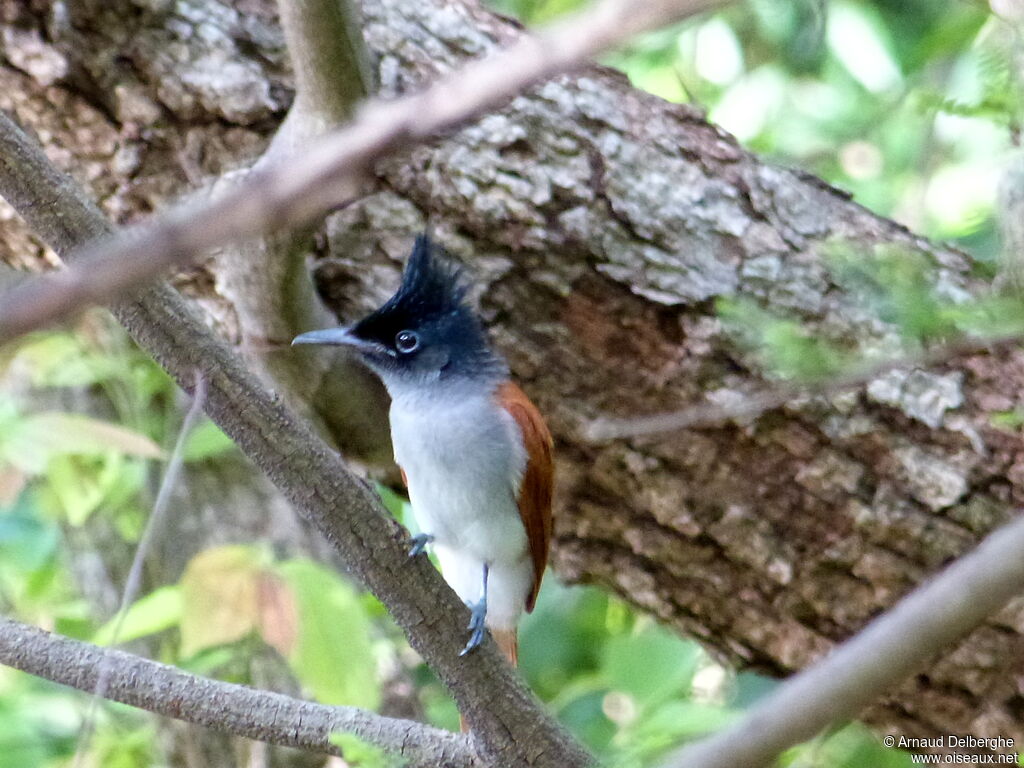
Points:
x=407 y=341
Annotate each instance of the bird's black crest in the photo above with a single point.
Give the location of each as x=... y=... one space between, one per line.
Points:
x=433 y=296
x=432 y=283
x=431 y=305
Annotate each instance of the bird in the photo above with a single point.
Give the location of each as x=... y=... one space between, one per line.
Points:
x=474 y=452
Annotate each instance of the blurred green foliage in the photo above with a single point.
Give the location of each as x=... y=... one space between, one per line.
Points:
x=909 y=104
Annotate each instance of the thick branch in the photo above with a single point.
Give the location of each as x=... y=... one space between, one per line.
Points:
x=508 y=722
x=889 y=650
x=226 y=707
x=303 y=189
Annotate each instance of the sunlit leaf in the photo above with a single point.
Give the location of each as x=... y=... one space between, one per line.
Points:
x=78 y=434
x=858 y=40
x=220 y=597
x=30 y=441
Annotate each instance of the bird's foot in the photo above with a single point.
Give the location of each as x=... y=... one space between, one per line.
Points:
x=478 y=612
x=419 y=543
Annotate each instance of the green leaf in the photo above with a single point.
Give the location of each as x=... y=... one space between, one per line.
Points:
x=852 y=746
x=333 y=657
x=585 y=717
x=206 y=441
x=157 y=611
x=667 y=726
x=786 y=348
x=651 y=665
x=77 y=489
x=23 y=743
x=357 y=752
x=395 y=504
x=858 y=40
x=563 y=638
x=62 y=360
x=76 y=485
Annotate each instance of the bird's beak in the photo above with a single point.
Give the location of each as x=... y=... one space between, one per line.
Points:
x=332 y=337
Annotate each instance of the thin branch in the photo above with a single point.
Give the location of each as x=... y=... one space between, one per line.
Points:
x=133 y=583
x=329 y=57
x=751 y=405
x=508 y=723
x=227 y=707
x=268 y=281
x=876 y=660
x=287 y=194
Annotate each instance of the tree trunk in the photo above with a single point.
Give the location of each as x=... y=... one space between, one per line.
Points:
x=601 y=224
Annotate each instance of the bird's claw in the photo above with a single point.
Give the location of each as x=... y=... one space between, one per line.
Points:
x=474 y=641
x=478 y=613
x=419 y=543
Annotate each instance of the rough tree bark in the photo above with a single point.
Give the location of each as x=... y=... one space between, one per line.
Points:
x=601 y=224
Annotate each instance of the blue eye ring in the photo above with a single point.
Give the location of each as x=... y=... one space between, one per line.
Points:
x=407 y=342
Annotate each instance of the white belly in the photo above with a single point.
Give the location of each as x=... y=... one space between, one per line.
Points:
x=464 y=463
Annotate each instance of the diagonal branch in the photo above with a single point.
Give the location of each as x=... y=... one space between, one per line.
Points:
x=889 y=650
x=508 y=722
x=227 y=707
x=293 y=193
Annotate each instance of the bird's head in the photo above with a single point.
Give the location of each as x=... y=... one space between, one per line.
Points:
x=424 y=336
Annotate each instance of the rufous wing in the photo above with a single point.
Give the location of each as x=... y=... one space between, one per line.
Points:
x=538 y=479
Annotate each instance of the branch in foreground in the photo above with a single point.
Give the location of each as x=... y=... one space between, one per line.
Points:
x=508 y=723
x=890 y=649
x=226 y=707
x=287 y=194
x=754 y=404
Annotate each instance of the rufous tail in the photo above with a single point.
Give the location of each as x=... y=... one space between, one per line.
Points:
x=509 y=645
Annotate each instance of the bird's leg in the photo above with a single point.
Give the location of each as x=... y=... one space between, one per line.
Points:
x=478 y=612
x=419 y=543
